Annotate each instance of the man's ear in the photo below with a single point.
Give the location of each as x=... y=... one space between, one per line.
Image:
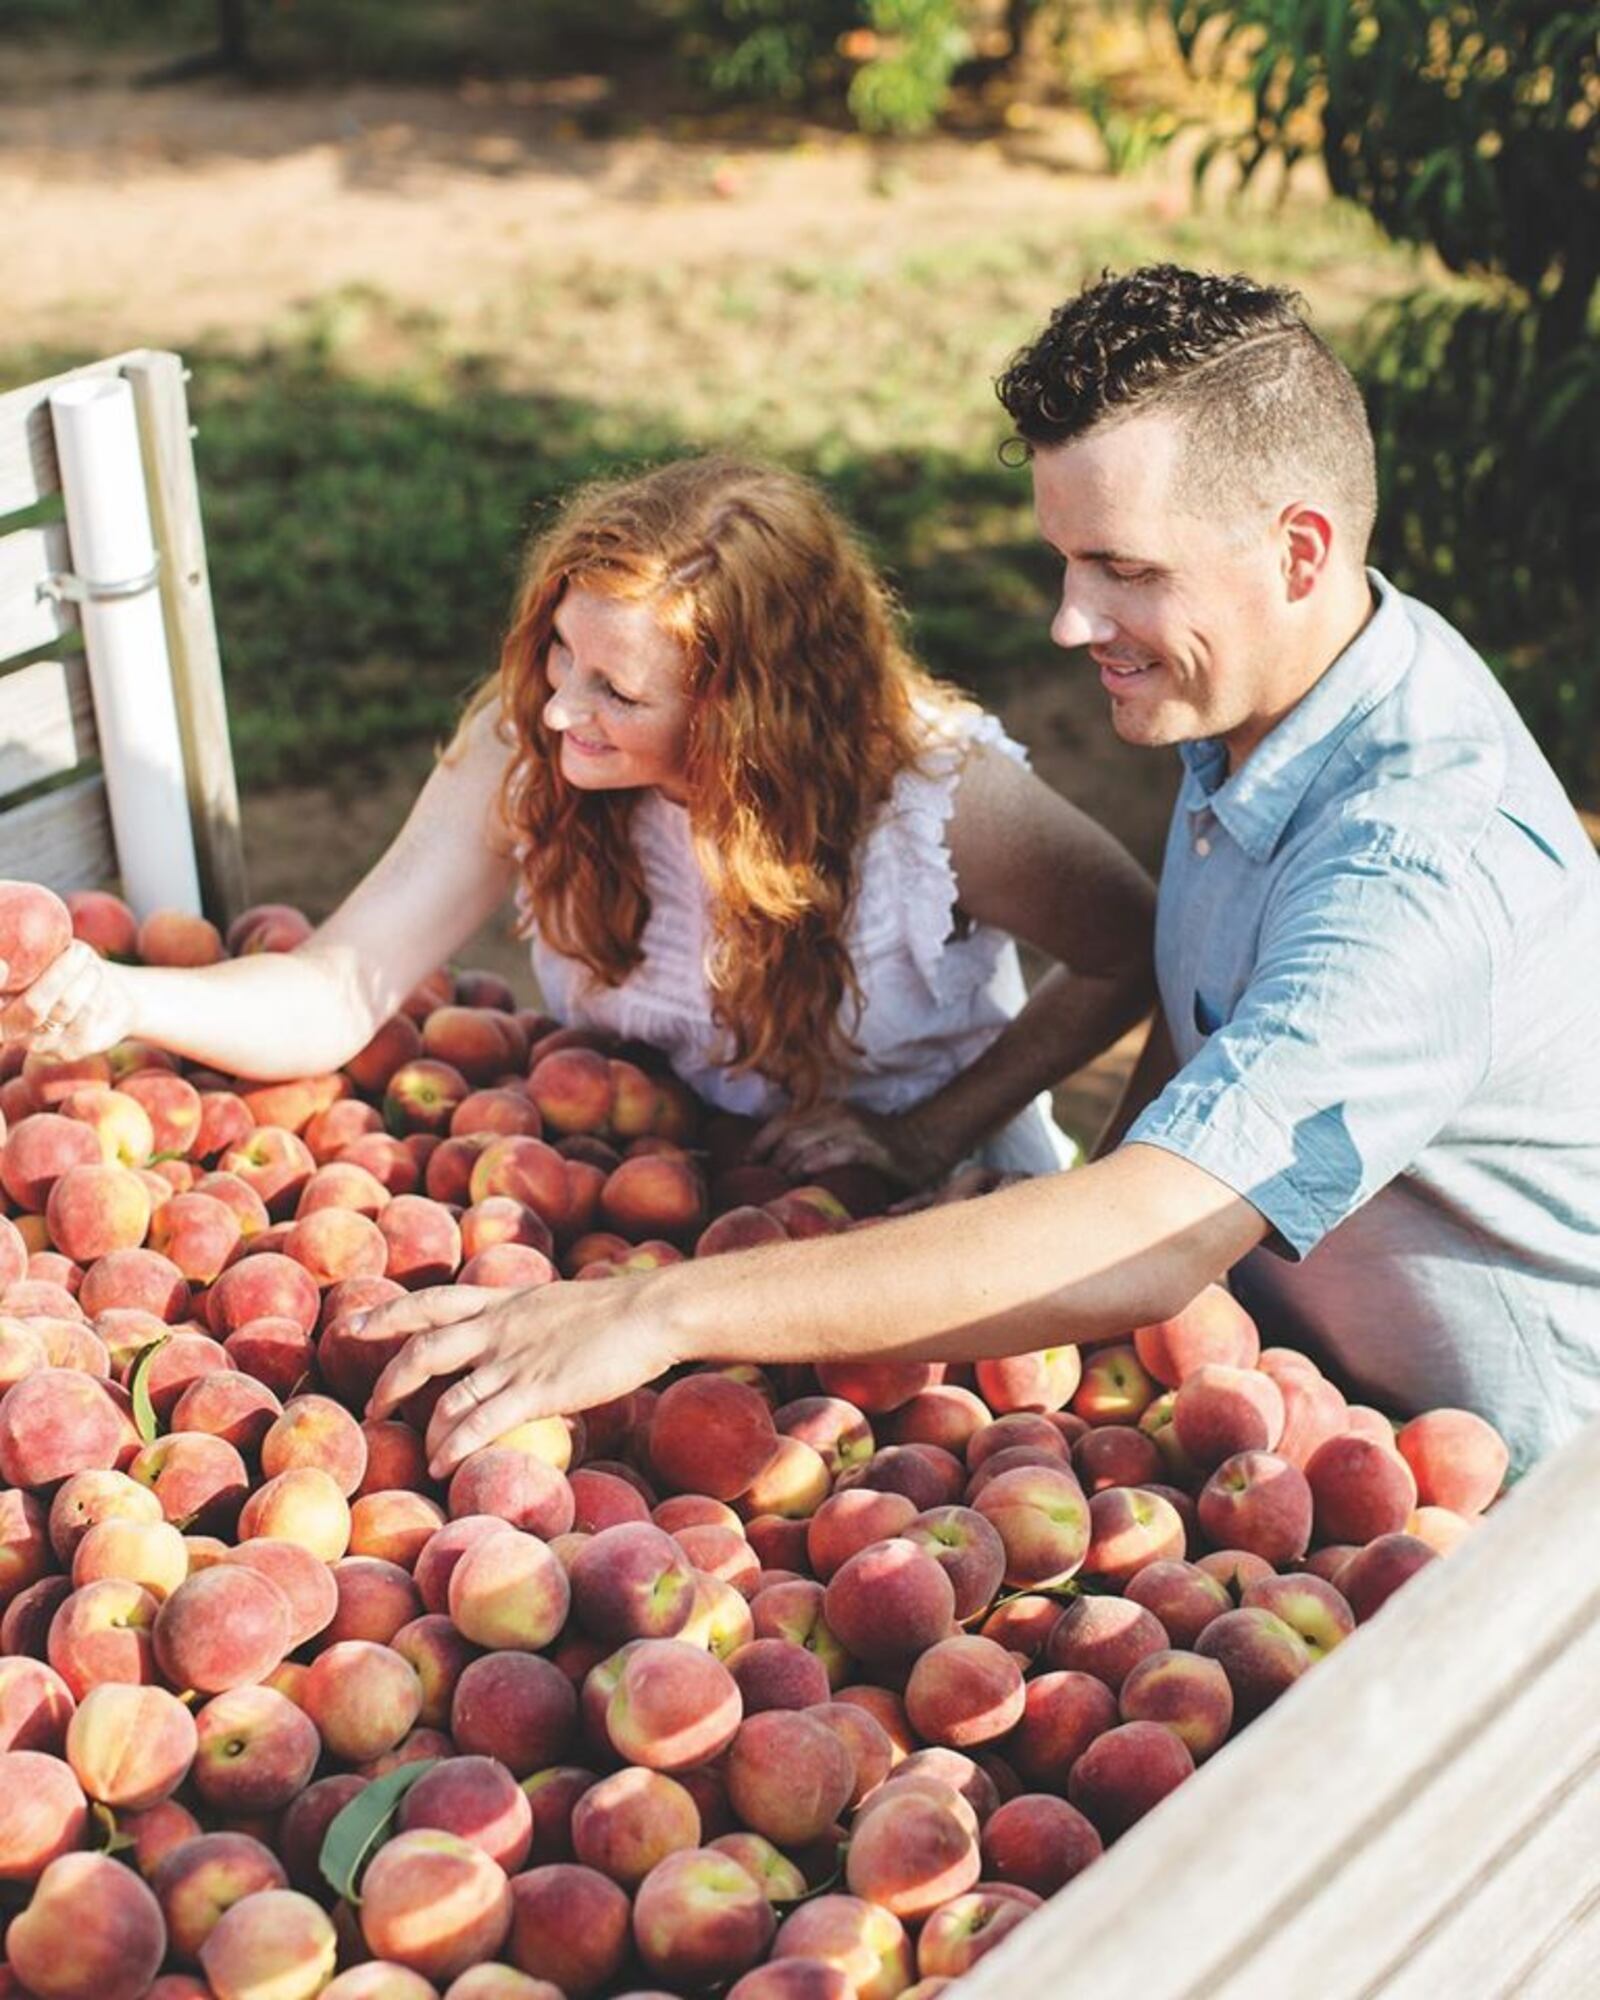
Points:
x=1306 y=539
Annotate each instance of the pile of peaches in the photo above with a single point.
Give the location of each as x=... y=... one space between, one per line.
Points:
x=798 y=1684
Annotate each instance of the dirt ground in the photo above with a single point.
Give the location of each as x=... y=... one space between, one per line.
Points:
x=140 y=217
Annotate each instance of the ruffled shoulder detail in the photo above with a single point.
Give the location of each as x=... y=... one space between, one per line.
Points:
x=914 y=828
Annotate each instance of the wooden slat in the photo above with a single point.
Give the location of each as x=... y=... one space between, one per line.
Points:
x=62 y=839
x=163 y=412
x=28 y=620
x=1428 y=1879
x=28 y=468
x=1195 y=1895
x=46 y=722
x=1564 y=1969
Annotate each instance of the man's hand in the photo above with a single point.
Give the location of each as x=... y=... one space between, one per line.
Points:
x=78 y=1006
x=538 y=1352
x=800 y=1144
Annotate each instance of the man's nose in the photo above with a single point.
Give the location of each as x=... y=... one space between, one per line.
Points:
x=1079 y=622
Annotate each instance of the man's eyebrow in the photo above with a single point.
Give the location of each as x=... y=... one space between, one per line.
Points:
x=1124 y=556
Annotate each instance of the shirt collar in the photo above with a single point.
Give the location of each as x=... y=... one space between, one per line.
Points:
x=1257 y=802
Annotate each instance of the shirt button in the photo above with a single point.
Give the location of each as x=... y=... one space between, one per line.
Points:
x=1202 y=846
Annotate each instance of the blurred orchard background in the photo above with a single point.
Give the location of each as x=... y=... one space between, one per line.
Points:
x=432 y=261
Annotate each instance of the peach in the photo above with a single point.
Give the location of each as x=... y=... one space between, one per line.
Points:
x=480 y=1042
x=911 y=1851
x=793 y=1611
x=249 y=1210
x=848 y=1522
x=305 y=1823
x=151 y=1553
x=876 y=1387
x=1043 y=1380
x=1360 y=1489
x=276 y=1352
x=810 y=1211
x=967 y=1546
x=889 y=1602
x=422 y=1096
x=119 y=1122
x=1043 y=1520
x=182 y=1358
x=25 y=1626
x=447 y=1173
x=774 y=1874
x=964 y=1930
x=423 y=1241
x=1260 y=1653
x=340 y=1125
x=434 y=1903
x=1116 y=1455
x=625 y=1824
x=22 y=1350
x=478 y=1800
x=1313 y=1410
x=228 y=1404
x=46 y=1813
x=396 y=1042
x=375 y=1599
x=515 y=1486
x=1115 y=1386
x=1457 y=1459
x=200 y=1480
x=871 y=1750
x=226 y=1121
x=393 y=1525
x=389 y=1160
x=630 y=1582
x=571 y=1925
x=222 y=1628
x=179 y=938
x=1063 y=1712
x=440 y=1656
x=441 y=1552
x=130 y=1747
x=831 y=1426
x=276 y=1163
x=1187 y=1692
x=302 y=1505
x=1221 y=1411
x=56 y=1422
x=699 y=1919
x=654 y=1194
x=926 y=1474
x=792 y=1979
x=1126 y=1772
x=508 y=1590
x=396 y=1458
x=504 y=1113
x=156 y=1832
x=336 y=1243
x=59 y=1956
x=1038 y=1841
x=380 y=1979
x=794 y=1482
x=316 y=1431
x=946 y=1415
x=290 y=1105
x=1128 y=1528
x=776 y=1673
x=35 y=1706
x=573 y=1090
x=1106 y=1637
x=104 y=923
x=853 y=1936
x=499 y=1218
x=742 y=1228
x=1182 y=1596
x=671 y=1705
x=500 y=1982
x=256 y=1751
x=1212 y=1328
x=1310 y=1605
x=508 y=1266
x=38 y=1150
x=965 y=1691
x=1440 y=1528
x=527 y=1171
x=24 y=1542
x=516 y=1707
x=102 y=1633
x=1260 y=1502
x=264 y=1285
x=363 y=1698
x=275 y=1941
x=552 y=1795
x=1374 y=1573
x=35 y=928
x=172 y=1105
x=1234 y=1569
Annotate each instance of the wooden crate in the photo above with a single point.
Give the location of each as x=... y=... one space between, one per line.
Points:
x=1418 y=1818
x=54 y=823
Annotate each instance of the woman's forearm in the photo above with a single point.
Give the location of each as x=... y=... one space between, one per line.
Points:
x=1068 y=1020
x=270 y=1016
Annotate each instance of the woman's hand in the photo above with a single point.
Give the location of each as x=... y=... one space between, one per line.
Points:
x=78 y=1006
x=803 y=1143
x=547 y=1350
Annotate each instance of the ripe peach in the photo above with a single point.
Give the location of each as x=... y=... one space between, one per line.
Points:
x=569 y=1924
x=388 y=1159
x=1042 y=1518
x=1457 y=1459
x=1063 y=1712
x=889 y=1602
x=56 y=1422
x=1258 y=1501
x=853 y=1936
x=199 y=1879
x=573 y=1090
x=1115 y=1386
x=275 y=1941
x=876 y=1387
x=316 y=1431
x=1221 y=1411
x=699 y=1919
x=200 y=1480
x=776 y=1673
x=46 y=1813
x=743 y=1228
x=57 y=1955
x=301 y=1505
x=1106 y=1637
x=155 y=1833
x=276 y=1163
x=340 y=1125
x=222 y=1628
x=38 y=1150
x=1212 y=1327
x=1182 y=1596
x=1038 y=1841
x=35 y=928
x=35 y=1706
x=1187 y=1692
x=276 y=1352
x=671 y=1705
x=228 y=1404
x=1044 y=1380
x=422 y=1095
x=394 y=1525
x=515 y=1486
x=1374 y=1573
x=375 y=1599
x=1259 y=1652
x=968 y=1548
x=964 y=1930
x=508 y=1590
x=625 y=1824
x=305 y=1823
x=1361 y=1489
x=264 y=1285
x=1313 y=1409
x=396 y=1042
x=151 y=1553
x=911 y=1851
x=226 y=1121
x=526 y=1170
x=1128 y=1528
x=434 y=1903
x=104 y=923
x=25 y=1626
x=515 y=1707
x=1309 y=1604
x=379 y=1979
x=1126 y=1772
x=181 y=1359
x=655 y=1194
x=872 y=1752
x=965 y=1691
x=102 y=1633
x=423 y=1241
x=1116 y=1455
x=256 y=1751
x=1440 y=1528
x=946 y=1415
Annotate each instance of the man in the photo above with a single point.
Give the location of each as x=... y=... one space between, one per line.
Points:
x=1377 y=942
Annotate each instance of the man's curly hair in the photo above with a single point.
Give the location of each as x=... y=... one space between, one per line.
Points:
x=1266 y=406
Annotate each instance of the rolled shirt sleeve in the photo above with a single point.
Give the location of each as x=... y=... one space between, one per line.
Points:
x=1365 y=1024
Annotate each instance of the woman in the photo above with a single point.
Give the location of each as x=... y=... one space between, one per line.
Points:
x=742 y=825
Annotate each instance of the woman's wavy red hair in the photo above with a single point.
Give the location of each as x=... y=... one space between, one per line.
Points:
x=805 y=704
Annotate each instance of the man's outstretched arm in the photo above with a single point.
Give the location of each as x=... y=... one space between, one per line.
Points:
x=1068 y=1257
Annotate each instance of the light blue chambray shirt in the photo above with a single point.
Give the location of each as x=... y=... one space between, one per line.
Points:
x=1378 y=949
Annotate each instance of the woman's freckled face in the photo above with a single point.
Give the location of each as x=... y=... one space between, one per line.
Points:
x=618 y=699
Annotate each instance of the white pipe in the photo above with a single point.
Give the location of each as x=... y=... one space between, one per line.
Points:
x=108 y=526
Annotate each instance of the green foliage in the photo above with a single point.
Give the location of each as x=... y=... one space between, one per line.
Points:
x=904 y=88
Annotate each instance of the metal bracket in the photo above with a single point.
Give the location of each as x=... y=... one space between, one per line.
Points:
x=64 y=588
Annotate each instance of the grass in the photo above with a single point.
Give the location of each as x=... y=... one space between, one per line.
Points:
x=369 y=474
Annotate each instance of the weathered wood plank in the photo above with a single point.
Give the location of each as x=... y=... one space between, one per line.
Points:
x=1565 y=1967
x=1523 y=1900
x=28 y=620
x=62 y=839
x=46 y=722
x=1185 y=1900
x=28 y=468
x=163 y=413
x=1449 y=1848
